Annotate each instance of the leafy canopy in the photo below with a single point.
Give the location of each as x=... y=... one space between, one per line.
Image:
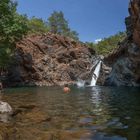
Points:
x=37 y=25
x=59 y=25
x=107 y=45
x=12 y=27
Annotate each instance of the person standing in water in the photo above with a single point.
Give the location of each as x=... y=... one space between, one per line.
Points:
x=66 y=89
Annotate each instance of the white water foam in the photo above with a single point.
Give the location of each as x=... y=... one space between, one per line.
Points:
x=80 y=83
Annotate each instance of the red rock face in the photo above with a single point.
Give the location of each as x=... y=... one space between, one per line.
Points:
x=126 y=60
x=49 y=60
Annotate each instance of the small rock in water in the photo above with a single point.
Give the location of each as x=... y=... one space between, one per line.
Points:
x=5 y=111
x=5 y=107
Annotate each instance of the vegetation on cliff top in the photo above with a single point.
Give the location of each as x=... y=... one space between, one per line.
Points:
x=59 y=25
x=37 y=25
x=107 y=45
x=56 y=24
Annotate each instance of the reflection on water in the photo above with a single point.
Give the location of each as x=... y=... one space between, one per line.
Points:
x=93 y=113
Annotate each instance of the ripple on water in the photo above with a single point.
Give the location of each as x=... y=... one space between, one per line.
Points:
x=99 y=113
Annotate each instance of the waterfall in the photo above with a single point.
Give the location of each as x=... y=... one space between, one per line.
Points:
x=96 y=74
x=81 y=83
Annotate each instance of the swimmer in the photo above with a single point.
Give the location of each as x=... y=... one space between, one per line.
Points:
x=66 y=89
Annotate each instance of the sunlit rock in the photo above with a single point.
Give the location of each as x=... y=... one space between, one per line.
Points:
x=5 y=107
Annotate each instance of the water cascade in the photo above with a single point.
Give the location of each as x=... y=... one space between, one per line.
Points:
x=81 y=83
x=96 y=74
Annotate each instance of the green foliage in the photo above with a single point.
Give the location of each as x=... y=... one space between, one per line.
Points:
x=59 y=25
x=107 y=45
x=56 y=24
x=91 y=44
x=37 y=25
x=5 y=55
x=12 y=27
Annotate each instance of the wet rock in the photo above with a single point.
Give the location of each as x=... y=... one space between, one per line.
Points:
x=5 y=107
x=104 y=72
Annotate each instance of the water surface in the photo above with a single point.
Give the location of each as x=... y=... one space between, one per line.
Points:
x=97 y=113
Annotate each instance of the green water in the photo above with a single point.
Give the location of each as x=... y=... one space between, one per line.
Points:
x=98 y=113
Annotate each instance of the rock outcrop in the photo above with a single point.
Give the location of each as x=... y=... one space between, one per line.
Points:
x=126 y=60
x=49 y=59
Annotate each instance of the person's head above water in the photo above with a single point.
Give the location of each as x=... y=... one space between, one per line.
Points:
x=66 y=89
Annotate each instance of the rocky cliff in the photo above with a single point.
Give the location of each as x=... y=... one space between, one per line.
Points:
x=49 y=59
x=126 y=60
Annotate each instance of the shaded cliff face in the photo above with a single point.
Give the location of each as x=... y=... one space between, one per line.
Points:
x=46 y=60
x=126 y=60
